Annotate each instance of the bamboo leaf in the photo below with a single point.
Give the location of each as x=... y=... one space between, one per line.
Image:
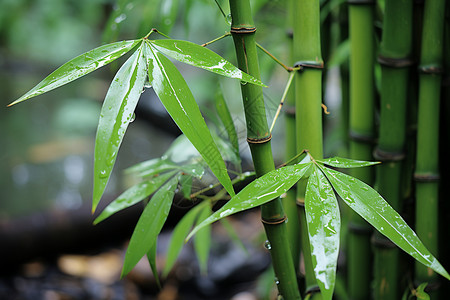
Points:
x=202 y=240
x=151 y=257
x=80 y=66
x=339 y=162
x=201 y=57
x=178 y=235
x=420 y=292
x=175 y=95
x=324 y=222
x=260 y=191
x=115 y=115
x=133 y=195
x=149 y=225
x=374 y=209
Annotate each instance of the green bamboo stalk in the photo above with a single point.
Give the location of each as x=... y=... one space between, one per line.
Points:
x=289 y=202
x=308 y=94
x=445 y=135
x=395 y=59
x=258 y=137
x=427 y=159
x=362 y=134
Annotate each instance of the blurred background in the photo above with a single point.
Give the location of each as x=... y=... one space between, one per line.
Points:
x=48 y=247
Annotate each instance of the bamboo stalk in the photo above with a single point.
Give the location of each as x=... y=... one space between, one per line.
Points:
x=291 y=150
x=308 y=94
x=258 y=136
x=362 y=134
x=395 y=59
x=427 y=159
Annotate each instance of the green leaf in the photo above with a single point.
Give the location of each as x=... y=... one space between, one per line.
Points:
x=116 y=114
x=374 y=209
x=152 y=167
x=201 y=57
x=420 y=292
x=151 y=257
x=324 y=222
x=149 y=225
x=179 y=233
x=80 y=66
x=133 y=195
x=175 y=95
x=260 y=191
x=113 y=24
x=339 y=162
x=202 y=240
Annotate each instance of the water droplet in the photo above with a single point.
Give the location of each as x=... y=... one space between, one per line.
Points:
x=243 y=82
x=277 y=282
x=120 y=18
x=133 y=117
x=229 y=19
x=267 y=245
x=147 y=85
x=103 y=174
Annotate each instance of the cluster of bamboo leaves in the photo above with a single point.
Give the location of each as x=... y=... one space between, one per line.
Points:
x=149 y=65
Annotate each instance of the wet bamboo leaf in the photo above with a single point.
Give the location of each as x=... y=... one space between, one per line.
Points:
x=227 y=120
x=178 y=236
x=149 y=225
x=374 y=209
x=202 y=240
x=260 y=191
x=175 y=95
x=324 y=222
x=133 y=195
x=80 y=66
x=339 y=162
x=116 y=113
x=151 y=167
x=201 y=57
x=151 y=257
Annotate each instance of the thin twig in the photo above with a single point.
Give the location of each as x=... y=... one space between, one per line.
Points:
x=288 y=85
x=289 y=69
x=217 y=39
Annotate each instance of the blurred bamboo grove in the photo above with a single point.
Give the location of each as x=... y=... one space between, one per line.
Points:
x=347 y=98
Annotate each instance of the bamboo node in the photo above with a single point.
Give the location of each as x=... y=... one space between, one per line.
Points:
x=363 y=138
x=243 y=30
x=393 y=62
x=386 y=156
x=313 y=290
x=300 y=202
x=289 y=110
x=426 y=177
x=431 y=69
x=275 y=221
x=259 y=141
x=310 y=64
